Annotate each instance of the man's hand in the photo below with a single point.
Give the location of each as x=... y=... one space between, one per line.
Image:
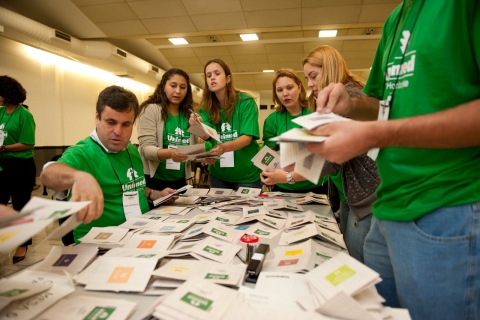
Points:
x=346 y=140
x=334 y=98
x=86 y=188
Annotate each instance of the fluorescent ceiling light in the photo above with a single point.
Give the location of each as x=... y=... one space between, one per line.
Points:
x=177 y=41
x=327 y=33
x=267 y=70
x=249 y=37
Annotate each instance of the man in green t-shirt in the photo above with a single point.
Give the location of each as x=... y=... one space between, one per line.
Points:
x=425 y=237
x=105 y=168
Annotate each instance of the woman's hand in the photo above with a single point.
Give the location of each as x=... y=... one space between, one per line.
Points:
x=194 y=119
x=273 y=176
x=218 y=150
x=177 y=156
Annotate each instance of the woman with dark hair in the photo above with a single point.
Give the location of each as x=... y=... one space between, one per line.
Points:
x=162 y=126
x=234 y=115
x=17 y=138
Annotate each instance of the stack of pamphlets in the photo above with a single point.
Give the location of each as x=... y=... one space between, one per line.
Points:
x=60 y=286
x=246 y=192
x=263 y=231
x=300 y=257
x=310 y=199
x=196 y=192
x=337 y=282
x=282 y=205
x=223 y=232
x=70 y=259
x=13 y=290
x=151 y=242
x=216 y=250
x=106 y=237
x=90 y=308
x=165 y=198
x=182 y=270
x=311 y=230
x=266 y=158
x=122 y=274
x=41 y=212
x=220 y=192
x=171 y=226
x=141 y=222
x=197 y=299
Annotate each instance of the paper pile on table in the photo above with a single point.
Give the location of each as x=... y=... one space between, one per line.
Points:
x=84 y=307
x=13 y=290
x=182 y=270
x=70 y=259
x=311 y=230
x=197 y=299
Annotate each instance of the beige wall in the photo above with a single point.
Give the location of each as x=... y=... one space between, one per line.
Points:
x=63 y=100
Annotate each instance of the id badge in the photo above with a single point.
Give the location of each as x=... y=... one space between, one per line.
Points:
x=131 y=204
x=227 y=160
x=2 y=137
x=383 y=114
x=172 y=165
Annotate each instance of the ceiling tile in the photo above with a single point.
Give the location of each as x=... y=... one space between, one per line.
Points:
x=159 y=41
x=381 y=1
x=109 y=12
x=282 y=35
x=359 y=54
x=192 y=69
x=284 y=48
x=81 y=3
x=273 y=18
x=179 y=53
x=377 y=12
x=286 y=57
x=250 y=58
x=169 y=25
x=219 y=21
x=122 y=28
x=211 y=6
x=247 y=48
x=158 y=9
x=330 y=15
x=211 y=51
x=255 y=5
x=252 y=67
x=326 y=3
x=184 y=62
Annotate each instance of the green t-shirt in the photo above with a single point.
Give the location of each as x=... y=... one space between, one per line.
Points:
x=244 y=121
x=19 y=127
x=174 y=134
x=114 y=174
x=276 y=124
x=440 y=70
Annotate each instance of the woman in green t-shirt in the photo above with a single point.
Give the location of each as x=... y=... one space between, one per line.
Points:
x=234 y=115
x=290 y=100
x=17 y=138
x=162 y=126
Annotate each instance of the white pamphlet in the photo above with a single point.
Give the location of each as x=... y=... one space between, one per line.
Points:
x=70 y=259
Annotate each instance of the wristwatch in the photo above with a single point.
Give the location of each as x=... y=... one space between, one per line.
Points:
x=290 y=178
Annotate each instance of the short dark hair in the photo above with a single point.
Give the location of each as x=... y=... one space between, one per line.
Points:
x=117 y=98
x=12 y=91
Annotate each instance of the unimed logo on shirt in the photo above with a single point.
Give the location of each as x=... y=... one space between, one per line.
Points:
x=227 y=132
x=136 y=181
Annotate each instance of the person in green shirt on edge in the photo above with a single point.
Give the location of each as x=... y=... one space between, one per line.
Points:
x=234 y=115
x=425 y=87
x=105 y=168
x=289 y=97
x=162 y=126
x=17 y=138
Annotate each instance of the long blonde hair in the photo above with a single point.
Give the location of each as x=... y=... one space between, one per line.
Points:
x=334 y=69
x=286 y=72
x=210 y=101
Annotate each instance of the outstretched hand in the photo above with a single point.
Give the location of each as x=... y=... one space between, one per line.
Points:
x=86 y=188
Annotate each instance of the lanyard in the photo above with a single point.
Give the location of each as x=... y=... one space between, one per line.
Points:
x=11 y=114
x=408 y=4
x=115 y=172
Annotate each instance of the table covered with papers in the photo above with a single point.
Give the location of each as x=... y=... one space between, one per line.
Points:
x=185 y=261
